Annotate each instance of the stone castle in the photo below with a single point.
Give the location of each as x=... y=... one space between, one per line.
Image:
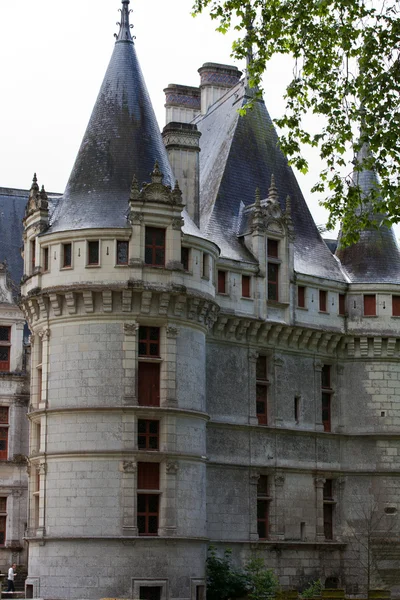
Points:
x=204 y=368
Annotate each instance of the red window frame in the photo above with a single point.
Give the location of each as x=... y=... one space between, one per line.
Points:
x=154 y=247
x=148 y=439
x=322 y=300
x=301 y=296
x=273 y=248
x=262 y=390
x=67 y=255
x=369 y=305
x=148 y=478
x=396 y=306
x=149 y=342
x=5 y=348
x=122 y=257
x=342 y=305
x=246 y=286
x=4 y=423
x=221 y=282
x=273 y=281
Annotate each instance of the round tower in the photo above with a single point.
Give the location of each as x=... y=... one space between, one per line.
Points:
x=119 y=294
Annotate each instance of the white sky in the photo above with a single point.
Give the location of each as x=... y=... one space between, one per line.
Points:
x=53 y=56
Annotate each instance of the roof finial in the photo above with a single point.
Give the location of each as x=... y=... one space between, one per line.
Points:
x=124 y=34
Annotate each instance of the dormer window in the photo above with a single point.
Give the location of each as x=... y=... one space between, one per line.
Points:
x=93 y=254
x=154 y=254
x=273 y=246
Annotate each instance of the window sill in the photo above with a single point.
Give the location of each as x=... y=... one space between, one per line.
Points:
x=204 y=278
x=152 y=359
x=223 y=294
x=370 y=316
x=277 y=303
x=122 y=265
x=302 y=308
x=93 y=266
x=66 y=268
x=247 y=298
x=323 y=312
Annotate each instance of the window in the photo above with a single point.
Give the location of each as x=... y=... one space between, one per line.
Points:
x=5 y=348
x=33 y=255
x=149 y=366
x=200 y=592
x=148 y=434
x=122 y=252
x=39 y=370
x=342 y=305
x=396 y=306
x=326 y=396
x=328 y=509
x=154 y=253
x=370 y=305
x=322 y=300
x=273 y=271
x=4 y=424
x=66 y=255
x=36 y=500
x=273 y=247
x=263 y=500
x=301 y=296
x=150 y=592
x=93 y=254
x=206 y=266
x=261 y=390
x=45 y=259
x=148 y=503
x=297 y=409
x=221 y=282
x=185 y=258
x=3 y=520
x=246 y=286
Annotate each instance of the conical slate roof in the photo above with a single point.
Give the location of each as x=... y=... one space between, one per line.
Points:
x=121 y=140
x=375 y=258
x=239 y=154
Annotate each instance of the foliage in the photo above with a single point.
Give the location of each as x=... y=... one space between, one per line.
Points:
x=223 y=580
x=313 y=589
x=346 y=75
x=262 y=583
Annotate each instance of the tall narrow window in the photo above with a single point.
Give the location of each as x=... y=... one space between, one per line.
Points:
x=273 y=281
x=154 y=254
x=328 y=509
x=122 y=252
x=396 y=306
x=148 y=433
x=45 y=259
x=66 y=255
x=262 y=390
x=370 y=305
x=185 y=258
x=246 y=286
x=93 y=254
x=149 y=366
x=297 y=409
x=206 y=266
x=221 y=282
x=263 y=500
x=301 y=296
x=5 y=348
x=148 y=484
x=326 y=394
x=322 y=300
x=4 y=425
x=342 y=305
x=36 y=500
x=3 y=520
x=39 y=371
x=33 y=255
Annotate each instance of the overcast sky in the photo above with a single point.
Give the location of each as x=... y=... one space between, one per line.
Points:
x=53 y=56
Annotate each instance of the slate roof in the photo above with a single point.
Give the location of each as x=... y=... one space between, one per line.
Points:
x=239 y=154
x=375 y=258
x=12 y=209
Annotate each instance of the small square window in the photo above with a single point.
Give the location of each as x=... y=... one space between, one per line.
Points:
x=148 y=434
x=93 y=253
x=122 y=252
x=66 y=255
x=273 y=248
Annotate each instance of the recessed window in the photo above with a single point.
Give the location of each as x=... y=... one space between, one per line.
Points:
x=148 y=478
x=369 y=305
x=342 y=305
x=4 y=425
x=66 y=256
x=206 y=266
x=148 y=371
x=5 y=348
x=246 y=286
x=3 y=519
x=154 y=254
x=322 y=300
x=261 y=390
x=122 y=252
x=301 y=296
x=297 y=409
x=273 y=281
x=148 y=434
x=396 y=306
x=33 y=255
x=273 y=248
x=93 y=254
x=185 y=258
x=263 y=500
x=150 y=592
x=328 y=509
x=326 y=394
x=46 y=263
x=221 y=282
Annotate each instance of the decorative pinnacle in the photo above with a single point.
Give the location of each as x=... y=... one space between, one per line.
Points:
x=273 y=192
x=34 y=185
x=257 y=202
x=124 y=34
x=156 y=175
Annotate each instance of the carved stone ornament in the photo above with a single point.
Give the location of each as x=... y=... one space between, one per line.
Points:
x=177 y=224
x=253 y=355
x=130 y=328
x=172 y=331
x=171 y=468
x=155 y=191
x=254 y=478
x=279 y=480
x=135 y=218
x=42 y=468
x=129 y=466
x=20 y=459
x=45 y=334
x=16 y=493
x=319 y=481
